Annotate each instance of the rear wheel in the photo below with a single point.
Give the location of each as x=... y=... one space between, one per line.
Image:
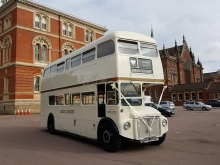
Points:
x=109 y=138
x=204 y=108
x=160 y=141
x=188 y=108
x=51 y=125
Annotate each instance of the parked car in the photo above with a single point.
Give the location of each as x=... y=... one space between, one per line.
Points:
x=163 y=110
x=168 y=104
x=213 y=102
x=195 y=105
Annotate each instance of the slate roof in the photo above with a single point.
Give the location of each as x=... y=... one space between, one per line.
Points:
x=191 y=86
x=214 y=86
x=171 y=50
x=209 y=74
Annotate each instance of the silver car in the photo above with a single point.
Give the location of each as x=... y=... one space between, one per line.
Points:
x=168 y=104
x=195 y=105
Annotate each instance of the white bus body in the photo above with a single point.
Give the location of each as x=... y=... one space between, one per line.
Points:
x=97 y=91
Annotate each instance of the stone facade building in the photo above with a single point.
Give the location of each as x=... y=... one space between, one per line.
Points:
x=31 y=36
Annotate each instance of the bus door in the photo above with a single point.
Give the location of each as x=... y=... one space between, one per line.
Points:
x=101 y=100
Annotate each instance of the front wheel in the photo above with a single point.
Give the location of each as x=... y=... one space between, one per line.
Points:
x=160 y=141
x=109 y=138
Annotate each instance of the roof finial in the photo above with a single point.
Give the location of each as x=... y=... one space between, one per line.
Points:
x=175 y=43
x=152 y=34
x=184 y=40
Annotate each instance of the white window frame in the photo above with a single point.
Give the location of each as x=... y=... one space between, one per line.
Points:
x=185 y=96
x=179 y=97
x=173 y=97
x=37 y=84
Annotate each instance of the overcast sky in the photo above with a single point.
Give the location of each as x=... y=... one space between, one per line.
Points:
x=197 y=20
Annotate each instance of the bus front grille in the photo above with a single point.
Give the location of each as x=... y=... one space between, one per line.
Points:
x=142 y=128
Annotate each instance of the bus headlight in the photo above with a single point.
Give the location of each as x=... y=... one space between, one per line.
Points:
x=164 y=122
x=127 y=125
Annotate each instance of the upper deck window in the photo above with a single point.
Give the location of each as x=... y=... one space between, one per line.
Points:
x=149 y=50
x=106 y=48
x=67 y=64
x=75 y=61
x=88 y=55
x=53 y=70
x=60 y=67
x=128 y=47
x=46 y=73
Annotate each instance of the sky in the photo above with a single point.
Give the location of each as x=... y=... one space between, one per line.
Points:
x=197 y=20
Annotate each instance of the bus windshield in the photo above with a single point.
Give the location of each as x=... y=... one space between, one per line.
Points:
x=149 y=50
x=131 y=90
x=128 y=47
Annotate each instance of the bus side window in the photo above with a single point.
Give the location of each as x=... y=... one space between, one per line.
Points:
x=59 y=100
x=88 y=55
x=46 y=73
x=52 y=100
x=88 y=98
x=53 y=70
x=66 y=99
x=60 y=67
x=75 y=99
x=67 y=64
x=112 y=95
x=106 y=48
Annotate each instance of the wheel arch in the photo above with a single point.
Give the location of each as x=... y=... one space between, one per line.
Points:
x=107 y=120
x=49 y=116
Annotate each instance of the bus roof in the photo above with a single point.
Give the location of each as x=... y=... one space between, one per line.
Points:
x=116 y=34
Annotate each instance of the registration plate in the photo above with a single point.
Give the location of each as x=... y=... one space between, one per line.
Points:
x=151 y=138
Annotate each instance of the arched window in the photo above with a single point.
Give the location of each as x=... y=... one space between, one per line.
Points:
x=37 y=52
x=87 y=35
x=43 y=22
x=70 y=29
x=36 y=83
x=37 y=21
x=67 y=48
x=41 y=49
x=65 y=52
x=7 y=42
x=44 y=53
x=91 y=37
x=64 y=29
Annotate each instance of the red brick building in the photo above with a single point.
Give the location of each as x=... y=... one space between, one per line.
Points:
x=31 y=36
x=182 y=75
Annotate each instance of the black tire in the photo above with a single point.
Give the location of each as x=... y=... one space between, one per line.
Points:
x=108 y=138
x=51 y=125
x=188 y=108
x=160 y=141
x=204 y=108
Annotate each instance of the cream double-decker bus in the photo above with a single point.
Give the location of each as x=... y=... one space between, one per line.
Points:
x=97 y=91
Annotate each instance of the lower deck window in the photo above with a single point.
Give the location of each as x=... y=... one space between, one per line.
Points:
x=51 y=100
x=88 y=98
x=60 y=100
x=75 y=99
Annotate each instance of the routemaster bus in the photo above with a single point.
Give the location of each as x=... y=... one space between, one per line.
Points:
x=97 y=91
